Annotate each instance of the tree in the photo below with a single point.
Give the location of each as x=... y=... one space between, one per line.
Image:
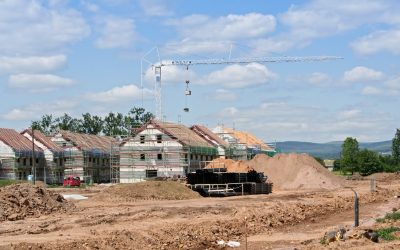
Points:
x=45 y=125
x=66 y=122
x=136 y=118
x=350 y=151
x=368 y=162
x=91 y=124
x=114 y=125
x=396 y=147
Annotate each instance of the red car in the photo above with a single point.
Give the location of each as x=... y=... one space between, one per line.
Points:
x=72 y=181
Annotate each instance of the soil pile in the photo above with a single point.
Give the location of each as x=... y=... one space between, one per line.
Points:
x=18 y=201
x=286 y=171
x=295 y=171
x=230 y=165
x=148 y=190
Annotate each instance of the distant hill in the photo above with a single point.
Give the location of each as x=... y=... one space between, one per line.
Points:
x=329 y=150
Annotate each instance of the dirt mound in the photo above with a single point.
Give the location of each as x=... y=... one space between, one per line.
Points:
x=286 y=171
x=295 y=171
x=230 y=165
x=148 y=190
x=18 y=201
x=386 y=177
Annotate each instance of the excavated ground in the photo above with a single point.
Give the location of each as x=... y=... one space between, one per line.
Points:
x=282 y=220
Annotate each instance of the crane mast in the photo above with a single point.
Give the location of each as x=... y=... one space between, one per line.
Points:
x=165 y=63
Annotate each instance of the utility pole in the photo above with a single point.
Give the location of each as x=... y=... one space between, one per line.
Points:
x=33 y=157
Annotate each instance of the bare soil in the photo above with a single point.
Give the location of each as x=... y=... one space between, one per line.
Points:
x=18 y=201
x=282 y=220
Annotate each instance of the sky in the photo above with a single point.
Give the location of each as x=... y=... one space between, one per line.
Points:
x=78 y=56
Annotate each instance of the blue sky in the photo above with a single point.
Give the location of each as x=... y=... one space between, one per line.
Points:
x=61 y=56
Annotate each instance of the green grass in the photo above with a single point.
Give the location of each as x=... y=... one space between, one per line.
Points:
x=4 y=183
x=394 y=216
x=386 y=233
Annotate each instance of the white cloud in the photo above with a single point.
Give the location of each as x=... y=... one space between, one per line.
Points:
x=155 y=7
x=36 y=110
x=379 y=41
x=90 y=6
x=31 y=27
x=205 y=34
x=239 y=76
x=118 y=94
x=318 y=78
x=228 y=27
x=349 y=114
x=224 y=95
x=116 y=32
x=284 y=121
x=33 y=64
x=371 y=90
x=39 y=82
x=232 y=76
x=360 y=74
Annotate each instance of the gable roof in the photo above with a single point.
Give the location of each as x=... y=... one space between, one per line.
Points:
x=247 y=138
x=179 y=132
x=87 y=142
x=16 y=141
x=209 y=136
x=46 y=141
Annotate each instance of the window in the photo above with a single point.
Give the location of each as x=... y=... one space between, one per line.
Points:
x=191 y=157
x=90 y=159
x=30 y=161
x=142 y=137
x=64 y=144
x=142 y=157
x=159 y=156
x=159 y=138
x=151 y=173
x=37 y=160
x=24 y=162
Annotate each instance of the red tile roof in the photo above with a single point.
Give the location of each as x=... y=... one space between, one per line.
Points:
x=89 y=142
x=208 y=135
x=46 y=141
x=16 y=141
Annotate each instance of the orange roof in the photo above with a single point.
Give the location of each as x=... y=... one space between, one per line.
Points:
x=246 y=138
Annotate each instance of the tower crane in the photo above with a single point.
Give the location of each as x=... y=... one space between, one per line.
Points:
x=186 y=63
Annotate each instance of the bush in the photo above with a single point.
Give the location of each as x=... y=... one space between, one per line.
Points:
x=368 y=162
x=386 y=233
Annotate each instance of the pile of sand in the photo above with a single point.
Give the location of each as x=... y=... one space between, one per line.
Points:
x=286 y=171
x=230 y=165
x=18 y=201
x=148 y=190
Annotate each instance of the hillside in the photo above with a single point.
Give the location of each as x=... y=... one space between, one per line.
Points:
x=329 y=150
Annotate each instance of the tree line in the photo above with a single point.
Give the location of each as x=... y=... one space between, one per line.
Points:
x=111 y=124
x=366 y=161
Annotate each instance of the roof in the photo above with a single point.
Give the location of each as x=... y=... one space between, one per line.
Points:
x=87 y=142
x=40 y=137
x=208 y=135
x=16 y=141
x=180 y=132
x=247 y=138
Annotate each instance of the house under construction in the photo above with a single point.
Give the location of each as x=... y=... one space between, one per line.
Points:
x=243 y=145
x=161 y=149
x=53 y=168
x=86 y=156
x=17 y=156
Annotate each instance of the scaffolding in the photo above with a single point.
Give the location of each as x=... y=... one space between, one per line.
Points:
x=155 y=153
x=18 y=166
